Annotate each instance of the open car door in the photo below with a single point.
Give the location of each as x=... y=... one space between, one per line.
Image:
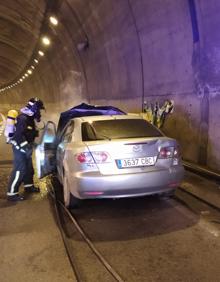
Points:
x=45 y=151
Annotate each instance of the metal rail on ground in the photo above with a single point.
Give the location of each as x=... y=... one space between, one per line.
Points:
x=53 y=197
x=109 y=268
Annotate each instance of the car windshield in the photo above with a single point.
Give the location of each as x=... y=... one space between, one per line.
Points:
x=117 y=129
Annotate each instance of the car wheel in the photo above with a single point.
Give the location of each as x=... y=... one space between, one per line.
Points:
x=74 y=202
x=167 y=195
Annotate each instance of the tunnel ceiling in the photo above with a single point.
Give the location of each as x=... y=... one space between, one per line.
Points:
x=20 y=24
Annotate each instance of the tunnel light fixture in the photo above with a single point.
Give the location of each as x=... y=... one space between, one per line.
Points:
x=45 y=40
x=53 y=20
x=41 y=53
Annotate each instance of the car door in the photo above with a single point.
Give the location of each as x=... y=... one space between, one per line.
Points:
x=45 y=151
x=65 y=139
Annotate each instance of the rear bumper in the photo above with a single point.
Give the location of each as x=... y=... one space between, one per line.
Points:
x=95 y=185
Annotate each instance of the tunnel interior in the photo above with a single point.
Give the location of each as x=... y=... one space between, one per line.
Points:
x=120 y=53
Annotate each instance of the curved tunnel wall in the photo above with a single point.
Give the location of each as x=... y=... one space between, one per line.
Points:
x=137 y=51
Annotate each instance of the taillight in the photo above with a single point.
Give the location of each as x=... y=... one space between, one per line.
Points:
x=169 y=152
x=100 y=157
x=93 y=157
x=166 y=152
x=85 y=157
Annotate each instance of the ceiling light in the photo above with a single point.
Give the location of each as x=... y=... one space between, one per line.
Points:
x=29 y=71
x=26 y=74
x=36 y=61
x=41 y=53
x=53 y=20
x=33 y=67
x=46 y=40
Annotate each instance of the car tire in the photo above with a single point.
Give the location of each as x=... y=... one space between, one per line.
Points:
x=167 y=195
x=74 y=202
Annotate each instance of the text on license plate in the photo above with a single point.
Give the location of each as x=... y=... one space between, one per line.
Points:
x=133 y=162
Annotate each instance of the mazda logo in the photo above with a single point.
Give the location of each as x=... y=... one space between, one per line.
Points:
x=137 y=148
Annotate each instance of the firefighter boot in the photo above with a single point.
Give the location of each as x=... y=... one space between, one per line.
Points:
x=16 y=198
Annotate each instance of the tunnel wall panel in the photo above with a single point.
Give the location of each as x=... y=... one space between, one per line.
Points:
x=112 y=62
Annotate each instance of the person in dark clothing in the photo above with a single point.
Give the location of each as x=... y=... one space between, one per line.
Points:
x=22 y=146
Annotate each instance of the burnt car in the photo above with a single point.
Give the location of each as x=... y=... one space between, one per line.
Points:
x=109 y=156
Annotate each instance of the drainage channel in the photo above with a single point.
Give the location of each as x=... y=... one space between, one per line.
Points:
x=206 y=174
x=202 y=171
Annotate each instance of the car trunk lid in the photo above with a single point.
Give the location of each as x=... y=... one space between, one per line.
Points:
x=130 y=156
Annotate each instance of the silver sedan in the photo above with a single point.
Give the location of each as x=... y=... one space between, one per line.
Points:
x=110 y=157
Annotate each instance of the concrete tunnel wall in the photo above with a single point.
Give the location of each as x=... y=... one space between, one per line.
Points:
x=138 y=50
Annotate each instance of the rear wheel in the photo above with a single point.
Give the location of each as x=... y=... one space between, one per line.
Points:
x=74 y=202
x=167 y=195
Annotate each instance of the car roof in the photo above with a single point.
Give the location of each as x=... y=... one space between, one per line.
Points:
x=108 y=117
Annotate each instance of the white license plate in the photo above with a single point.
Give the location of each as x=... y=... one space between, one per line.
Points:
x=134 y=162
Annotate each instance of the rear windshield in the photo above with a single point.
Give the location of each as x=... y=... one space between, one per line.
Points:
x=117 y=129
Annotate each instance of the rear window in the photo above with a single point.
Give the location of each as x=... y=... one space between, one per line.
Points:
x=118 y=129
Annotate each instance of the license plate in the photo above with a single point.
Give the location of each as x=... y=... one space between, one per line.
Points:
x=135 y=162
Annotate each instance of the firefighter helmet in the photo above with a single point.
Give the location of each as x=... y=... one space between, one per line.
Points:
x=36 y=105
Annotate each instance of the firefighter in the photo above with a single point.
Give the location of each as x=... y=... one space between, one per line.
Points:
x=22 y=144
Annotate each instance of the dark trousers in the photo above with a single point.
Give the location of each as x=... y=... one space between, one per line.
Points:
x=22 y=172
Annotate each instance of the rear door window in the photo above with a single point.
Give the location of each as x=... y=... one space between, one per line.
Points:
x=118 y=129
